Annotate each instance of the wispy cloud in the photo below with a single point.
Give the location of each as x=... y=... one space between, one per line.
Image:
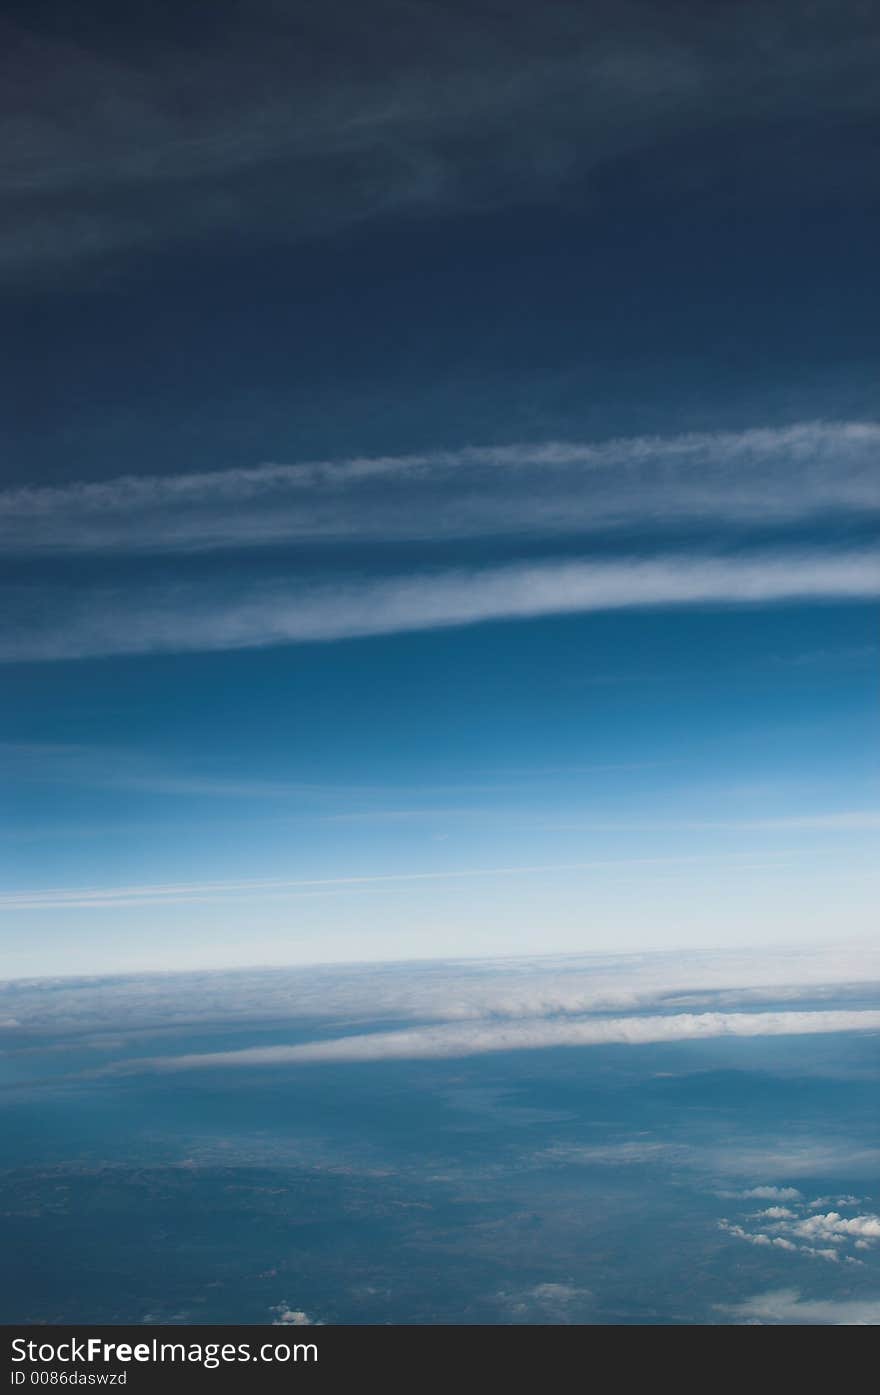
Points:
x=181 y=893
x=548 y=1303
x=452 y=1040
x=798 y=1156
x=787 y=1306
x=842 y=820
x=820 y=820
x=125 y=768
x=177 y=619
x=763 y=1193
x=288 y=125
x=760 y=476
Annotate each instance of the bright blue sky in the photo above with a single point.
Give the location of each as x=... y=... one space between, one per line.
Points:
x=570 y=639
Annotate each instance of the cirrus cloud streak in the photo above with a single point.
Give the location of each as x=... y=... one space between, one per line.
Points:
x=178 y=619
x=761 y=475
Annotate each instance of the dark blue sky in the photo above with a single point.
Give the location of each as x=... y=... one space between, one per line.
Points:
x=440 y=440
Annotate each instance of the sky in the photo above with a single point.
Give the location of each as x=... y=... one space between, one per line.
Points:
x=440 y=493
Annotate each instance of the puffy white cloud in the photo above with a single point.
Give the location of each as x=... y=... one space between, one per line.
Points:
x=756 y=1237
x=285 y=1316
x=834 y=1227
x=821 y=1236
x=740 y=1233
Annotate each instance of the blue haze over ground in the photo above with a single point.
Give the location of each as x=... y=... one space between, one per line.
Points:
x=384 y=1147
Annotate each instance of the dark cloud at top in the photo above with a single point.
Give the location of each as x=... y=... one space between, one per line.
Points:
x=131 y=131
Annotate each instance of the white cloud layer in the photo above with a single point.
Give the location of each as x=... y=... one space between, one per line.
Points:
x=192 y=618
x=450 y=1040
x=476 y=990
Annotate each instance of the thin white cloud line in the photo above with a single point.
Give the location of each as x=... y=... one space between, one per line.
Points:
x=548 y=487
x=800 y=437
x=118 y=768
x=96 y=896
x=844 y=821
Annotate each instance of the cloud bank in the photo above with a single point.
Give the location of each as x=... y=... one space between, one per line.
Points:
x=452 y=1040
x=479 y=991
